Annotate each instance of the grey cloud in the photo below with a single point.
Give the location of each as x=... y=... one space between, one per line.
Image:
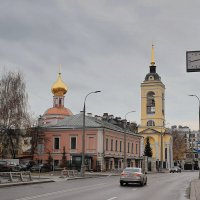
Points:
x=102 y=45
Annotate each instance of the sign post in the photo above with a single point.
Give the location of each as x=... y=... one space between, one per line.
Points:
x=198 y=150
x=193 y=65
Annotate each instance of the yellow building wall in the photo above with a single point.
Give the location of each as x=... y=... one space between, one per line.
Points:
x=154 y=132
x=159 y=89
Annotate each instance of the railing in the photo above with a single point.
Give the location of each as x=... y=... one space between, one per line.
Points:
x=15 y=177
x=116 y=170
x=69 y=173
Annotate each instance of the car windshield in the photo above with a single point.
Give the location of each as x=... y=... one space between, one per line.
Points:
x=131 y=170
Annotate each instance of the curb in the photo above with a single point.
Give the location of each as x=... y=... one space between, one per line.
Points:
x=25 y=183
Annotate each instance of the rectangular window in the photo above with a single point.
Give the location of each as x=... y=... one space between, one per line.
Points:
x=116 y=144
x=91 y=143
x=136 y=148
x=132 y=148
x=120 y=146
x=56 y=163
x=73 y=142
x=106 y=144
x=56 y=143
x=165 y=153
x=111 y=145
x=128 y=147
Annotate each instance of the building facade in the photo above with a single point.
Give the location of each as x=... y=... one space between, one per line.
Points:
x=153 y=118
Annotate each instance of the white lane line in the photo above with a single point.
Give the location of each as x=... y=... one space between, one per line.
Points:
x=134 y=189
x=112 y=198
x=58 y=192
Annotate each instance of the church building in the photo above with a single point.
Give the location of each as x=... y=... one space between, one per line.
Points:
x=61 y=133
x=153 y=118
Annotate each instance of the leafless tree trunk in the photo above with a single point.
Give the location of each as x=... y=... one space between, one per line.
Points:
x=14 y=118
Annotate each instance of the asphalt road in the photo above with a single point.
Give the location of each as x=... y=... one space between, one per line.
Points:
x=163 y=186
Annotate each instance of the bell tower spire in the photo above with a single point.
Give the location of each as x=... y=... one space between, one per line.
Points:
x=152 y=55
x=152 y=64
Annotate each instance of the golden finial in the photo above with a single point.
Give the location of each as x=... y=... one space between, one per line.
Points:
x=59 y=88
x=59 y=72
x=152 y=55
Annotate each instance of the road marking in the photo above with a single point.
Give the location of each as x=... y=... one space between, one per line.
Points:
x=112 y=198
x=57 y=192
x=134 y=189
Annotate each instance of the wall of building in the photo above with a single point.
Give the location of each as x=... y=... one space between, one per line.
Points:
x=100 y=147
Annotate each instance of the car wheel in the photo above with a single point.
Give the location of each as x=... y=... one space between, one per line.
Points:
x=121 y=183
x=142 y=183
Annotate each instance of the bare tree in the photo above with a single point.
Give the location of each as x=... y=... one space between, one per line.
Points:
x=14 y=118
x=179 y=145
x=38 y=137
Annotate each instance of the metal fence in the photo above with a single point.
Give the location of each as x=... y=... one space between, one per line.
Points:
x=6 y=177
x=69 y=173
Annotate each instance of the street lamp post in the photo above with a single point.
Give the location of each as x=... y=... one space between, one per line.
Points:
x=161 y=145
x=125 y=138
x=83 y=136
x=193 y=95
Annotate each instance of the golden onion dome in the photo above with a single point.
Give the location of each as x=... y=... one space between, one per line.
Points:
x=59 y=88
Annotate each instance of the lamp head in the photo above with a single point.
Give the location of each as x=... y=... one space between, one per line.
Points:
x=191 y=95
x=97 y=91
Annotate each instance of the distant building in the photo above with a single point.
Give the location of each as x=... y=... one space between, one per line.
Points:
x=190 y=160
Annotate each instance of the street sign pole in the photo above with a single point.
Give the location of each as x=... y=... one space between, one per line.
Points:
x=198 y=150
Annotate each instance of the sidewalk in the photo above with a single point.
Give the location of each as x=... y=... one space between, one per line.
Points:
x=195 y=190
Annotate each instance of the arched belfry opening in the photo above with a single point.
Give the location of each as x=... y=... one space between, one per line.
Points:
x=151 y=103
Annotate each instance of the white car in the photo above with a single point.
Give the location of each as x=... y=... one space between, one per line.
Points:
x=133 y=175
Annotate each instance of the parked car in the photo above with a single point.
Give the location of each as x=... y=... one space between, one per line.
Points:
x=8 y=166
x=41 y=168
x=23 y=167
x=133 y=175
x=175 y=169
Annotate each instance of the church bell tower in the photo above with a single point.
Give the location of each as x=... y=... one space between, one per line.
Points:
x=153 y=117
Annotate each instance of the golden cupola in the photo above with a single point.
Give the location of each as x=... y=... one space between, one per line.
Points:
x=59 y=88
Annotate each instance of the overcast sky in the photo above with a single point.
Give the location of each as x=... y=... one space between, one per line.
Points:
x=103 y=45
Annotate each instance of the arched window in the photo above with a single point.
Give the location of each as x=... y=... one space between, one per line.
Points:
x=151 y=103
x=150 y=123
x=163 y=104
